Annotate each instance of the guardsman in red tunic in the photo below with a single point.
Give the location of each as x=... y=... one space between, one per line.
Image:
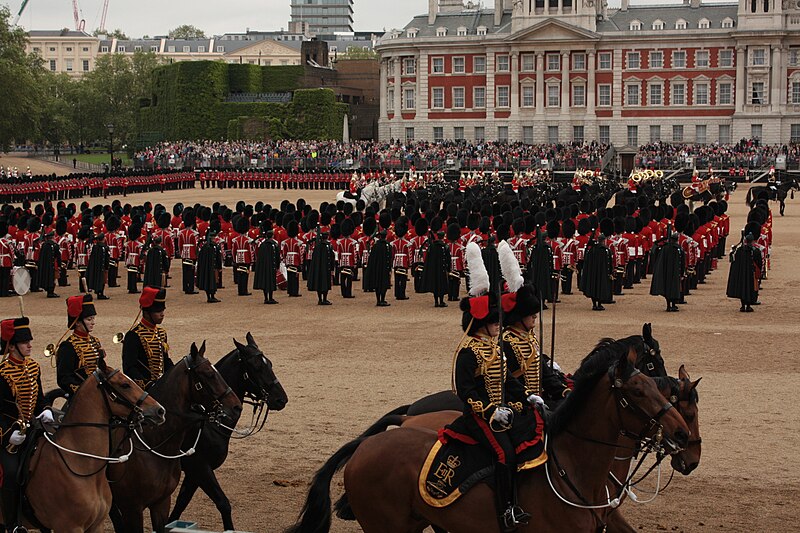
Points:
x=292 y=257
x=32 y=244
x=456 y=250
x=187 y=244
x=402 y=255
x=6 y=258
x=241 y=247
x=346 y=249
x=421 y=227
x=114 y=249
x=133 y=257
x=569 y=254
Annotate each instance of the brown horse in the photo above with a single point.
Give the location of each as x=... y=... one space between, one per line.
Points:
x=67 y=487
x=381 y=476
x=194 y=394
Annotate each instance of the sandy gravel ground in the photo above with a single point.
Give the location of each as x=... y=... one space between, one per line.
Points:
x=345 y=365
x=37 y=166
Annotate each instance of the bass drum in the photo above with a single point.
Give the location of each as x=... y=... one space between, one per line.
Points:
x=21 y=280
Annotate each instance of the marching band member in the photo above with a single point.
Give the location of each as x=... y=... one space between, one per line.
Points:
x=145 y=351
x=77 y=355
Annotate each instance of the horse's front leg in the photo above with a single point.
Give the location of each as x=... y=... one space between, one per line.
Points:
x=783 y=206
x=158 y=515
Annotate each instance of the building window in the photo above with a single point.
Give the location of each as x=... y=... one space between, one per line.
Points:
x=502 y=134
x=552 y=134
x=724 y=93
x=479 y=64
x=458 y=97
x=553 y=95
x=409 y=99
x=678 y=94
x=528 y=96
x=604 y=134
x=756 y=131
x=528 y=62
x=655 y=133
x=52 y=48
x=438 y=133
x=635 y=25
x=577 y=134
x=86 y=65
x=438 y=65
x=700 y=93
x=137 y=48
x=579 y=95
x=579 y=61
x=679 y=59
x=758 y=58
x=154 y=49
x=604 y=60
x=794 y=134
x=462 y=31
x=633 y=60
x=704 y=24
x=104 y=49
x=502 y=96
x=37 y=50
x=480 y=133
x=553 y=62
x=120 y=49
x=604 y=95
x=633 y=135
x=481 y=30
x=795 y=93
x=458 y=65
x=409 y=66
x=438 y=98
x=677 y=133
x=411 y=33
x=657 y=59
x=68 y=65
x=85 y=48
x=220 y=49
x=656 y=94
x=794 y=57
x=658 y=25
x=409 y=134
x=69 y=49
x=527 y=134
x=725 y=58
x=441 y=32
x=632 y=94
x=758 y=93
x=390 y=100
x=724 y=133
x=701 y=59
x=700 y=134
x=187 y=49
x=52 y=65
x=171 y=49
x=479 y=97
x=458 y=133
x=502 y=64
x=727 y=23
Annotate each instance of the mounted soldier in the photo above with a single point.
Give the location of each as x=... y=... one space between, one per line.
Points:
x=77 y=356
x=145 y=351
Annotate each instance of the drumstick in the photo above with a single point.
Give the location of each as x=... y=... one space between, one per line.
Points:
x=21 y=306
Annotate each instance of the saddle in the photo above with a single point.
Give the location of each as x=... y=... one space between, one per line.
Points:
x=456 y=462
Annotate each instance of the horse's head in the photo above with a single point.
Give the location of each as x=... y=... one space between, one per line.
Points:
x=260 y=380
x=208 y=392
x=650 y=361
x=125 y=399
x=643 y=411
x=685 y=399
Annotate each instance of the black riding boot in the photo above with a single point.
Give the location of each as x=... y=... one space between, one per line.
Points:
x=511 y=514
x=9 y=499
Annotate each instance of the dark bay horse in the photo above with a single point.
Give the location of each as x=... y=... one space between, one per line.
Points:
x=195 y=395
x=381 y=474
x=67 y=487
x=778 y=194
x=249 y=373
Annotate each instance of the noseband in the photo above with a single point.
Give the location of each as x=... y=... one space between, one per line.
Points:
x=217 y=409
x=111 y=393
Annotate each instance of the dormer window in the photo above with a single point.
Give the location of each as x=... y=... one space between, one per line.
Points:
x=481 y=30
x=412 y=33
x=658 y=25
x=635 y=26
x=727 y=22
x=680 y=24
x=462 y=31
x=441 y=32
x=704 y=24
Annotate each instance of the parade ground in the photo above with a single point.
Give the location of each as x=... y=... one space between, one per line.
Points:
x=345 y=365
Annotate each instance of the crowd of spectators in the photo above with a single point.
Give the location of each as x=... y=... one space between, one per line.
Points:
x=747 y=153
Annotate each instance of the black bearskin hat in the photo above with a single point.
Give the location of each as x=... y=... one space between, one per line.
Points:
x=369 y=226
x=420 y=226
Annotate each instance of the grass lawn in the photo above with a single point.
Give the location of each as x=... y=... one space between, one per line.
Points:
x=98 y=159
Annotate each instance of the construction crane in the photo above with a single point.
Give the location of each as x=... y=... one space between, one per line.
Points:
x=19 y=13
x=80 y=24
x=103 y=17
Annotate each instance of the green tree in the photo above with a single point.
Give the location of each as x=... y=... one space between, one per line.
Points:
x=114 y=34
x=357 y=52
x=21 y=94
x=187 y=31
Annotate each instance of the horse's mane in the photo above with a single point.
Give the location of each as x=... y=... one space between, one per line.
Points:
x=662 y=382
x=593 y=367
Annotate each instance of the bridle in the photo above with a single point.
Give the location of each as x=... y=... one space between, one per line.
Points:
x=255 y=395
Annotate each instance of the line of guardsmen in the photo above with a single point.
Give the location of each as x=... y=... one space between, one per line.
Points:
x=145 y=358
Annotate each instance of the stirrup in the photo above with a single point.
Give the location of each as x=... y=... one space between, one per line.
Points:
x=19 y=529
x=514 y=516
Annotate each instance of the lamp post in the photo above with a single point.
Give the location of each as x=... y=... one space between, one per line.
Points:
x=111 y=145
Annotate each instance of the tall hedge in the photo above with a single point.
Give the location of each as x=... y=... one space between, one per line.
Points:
x=187 y=102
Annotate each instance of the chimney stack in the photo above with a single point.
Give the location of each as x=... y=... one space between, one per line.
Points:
x=433 y=9
x=623 y=5
x=499 y=5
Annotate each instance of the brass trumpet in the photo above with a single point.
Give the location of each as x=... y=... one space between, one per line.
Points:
x=50 y=350
x=119 y=337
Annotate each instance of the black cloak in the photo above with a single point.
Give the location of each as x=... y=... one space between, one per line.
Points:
x=49 y=260
x=596 y=274
x=208 y=259
x=268 y=259
x=97 y=266
x=437 y=265
x=746 y=264
x=156 y=263
x=377 y=275
x=668 y=271
x=321 y=267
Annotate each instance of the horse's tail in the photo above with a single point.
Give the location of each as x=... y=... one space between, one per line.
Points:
x=749 y=195
x=53 y=395
x=315 y=517
x=394 y=417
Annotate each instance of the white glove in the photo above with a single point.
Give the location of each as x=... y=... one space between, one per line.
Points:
x=535 y=400
x=16 y=438
x=502 y=415
x=556 y=367
x=46 y=417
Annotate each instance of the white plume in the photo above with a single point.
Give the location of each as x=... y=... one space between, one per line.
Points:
x=509 y=265
x=478 y=276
